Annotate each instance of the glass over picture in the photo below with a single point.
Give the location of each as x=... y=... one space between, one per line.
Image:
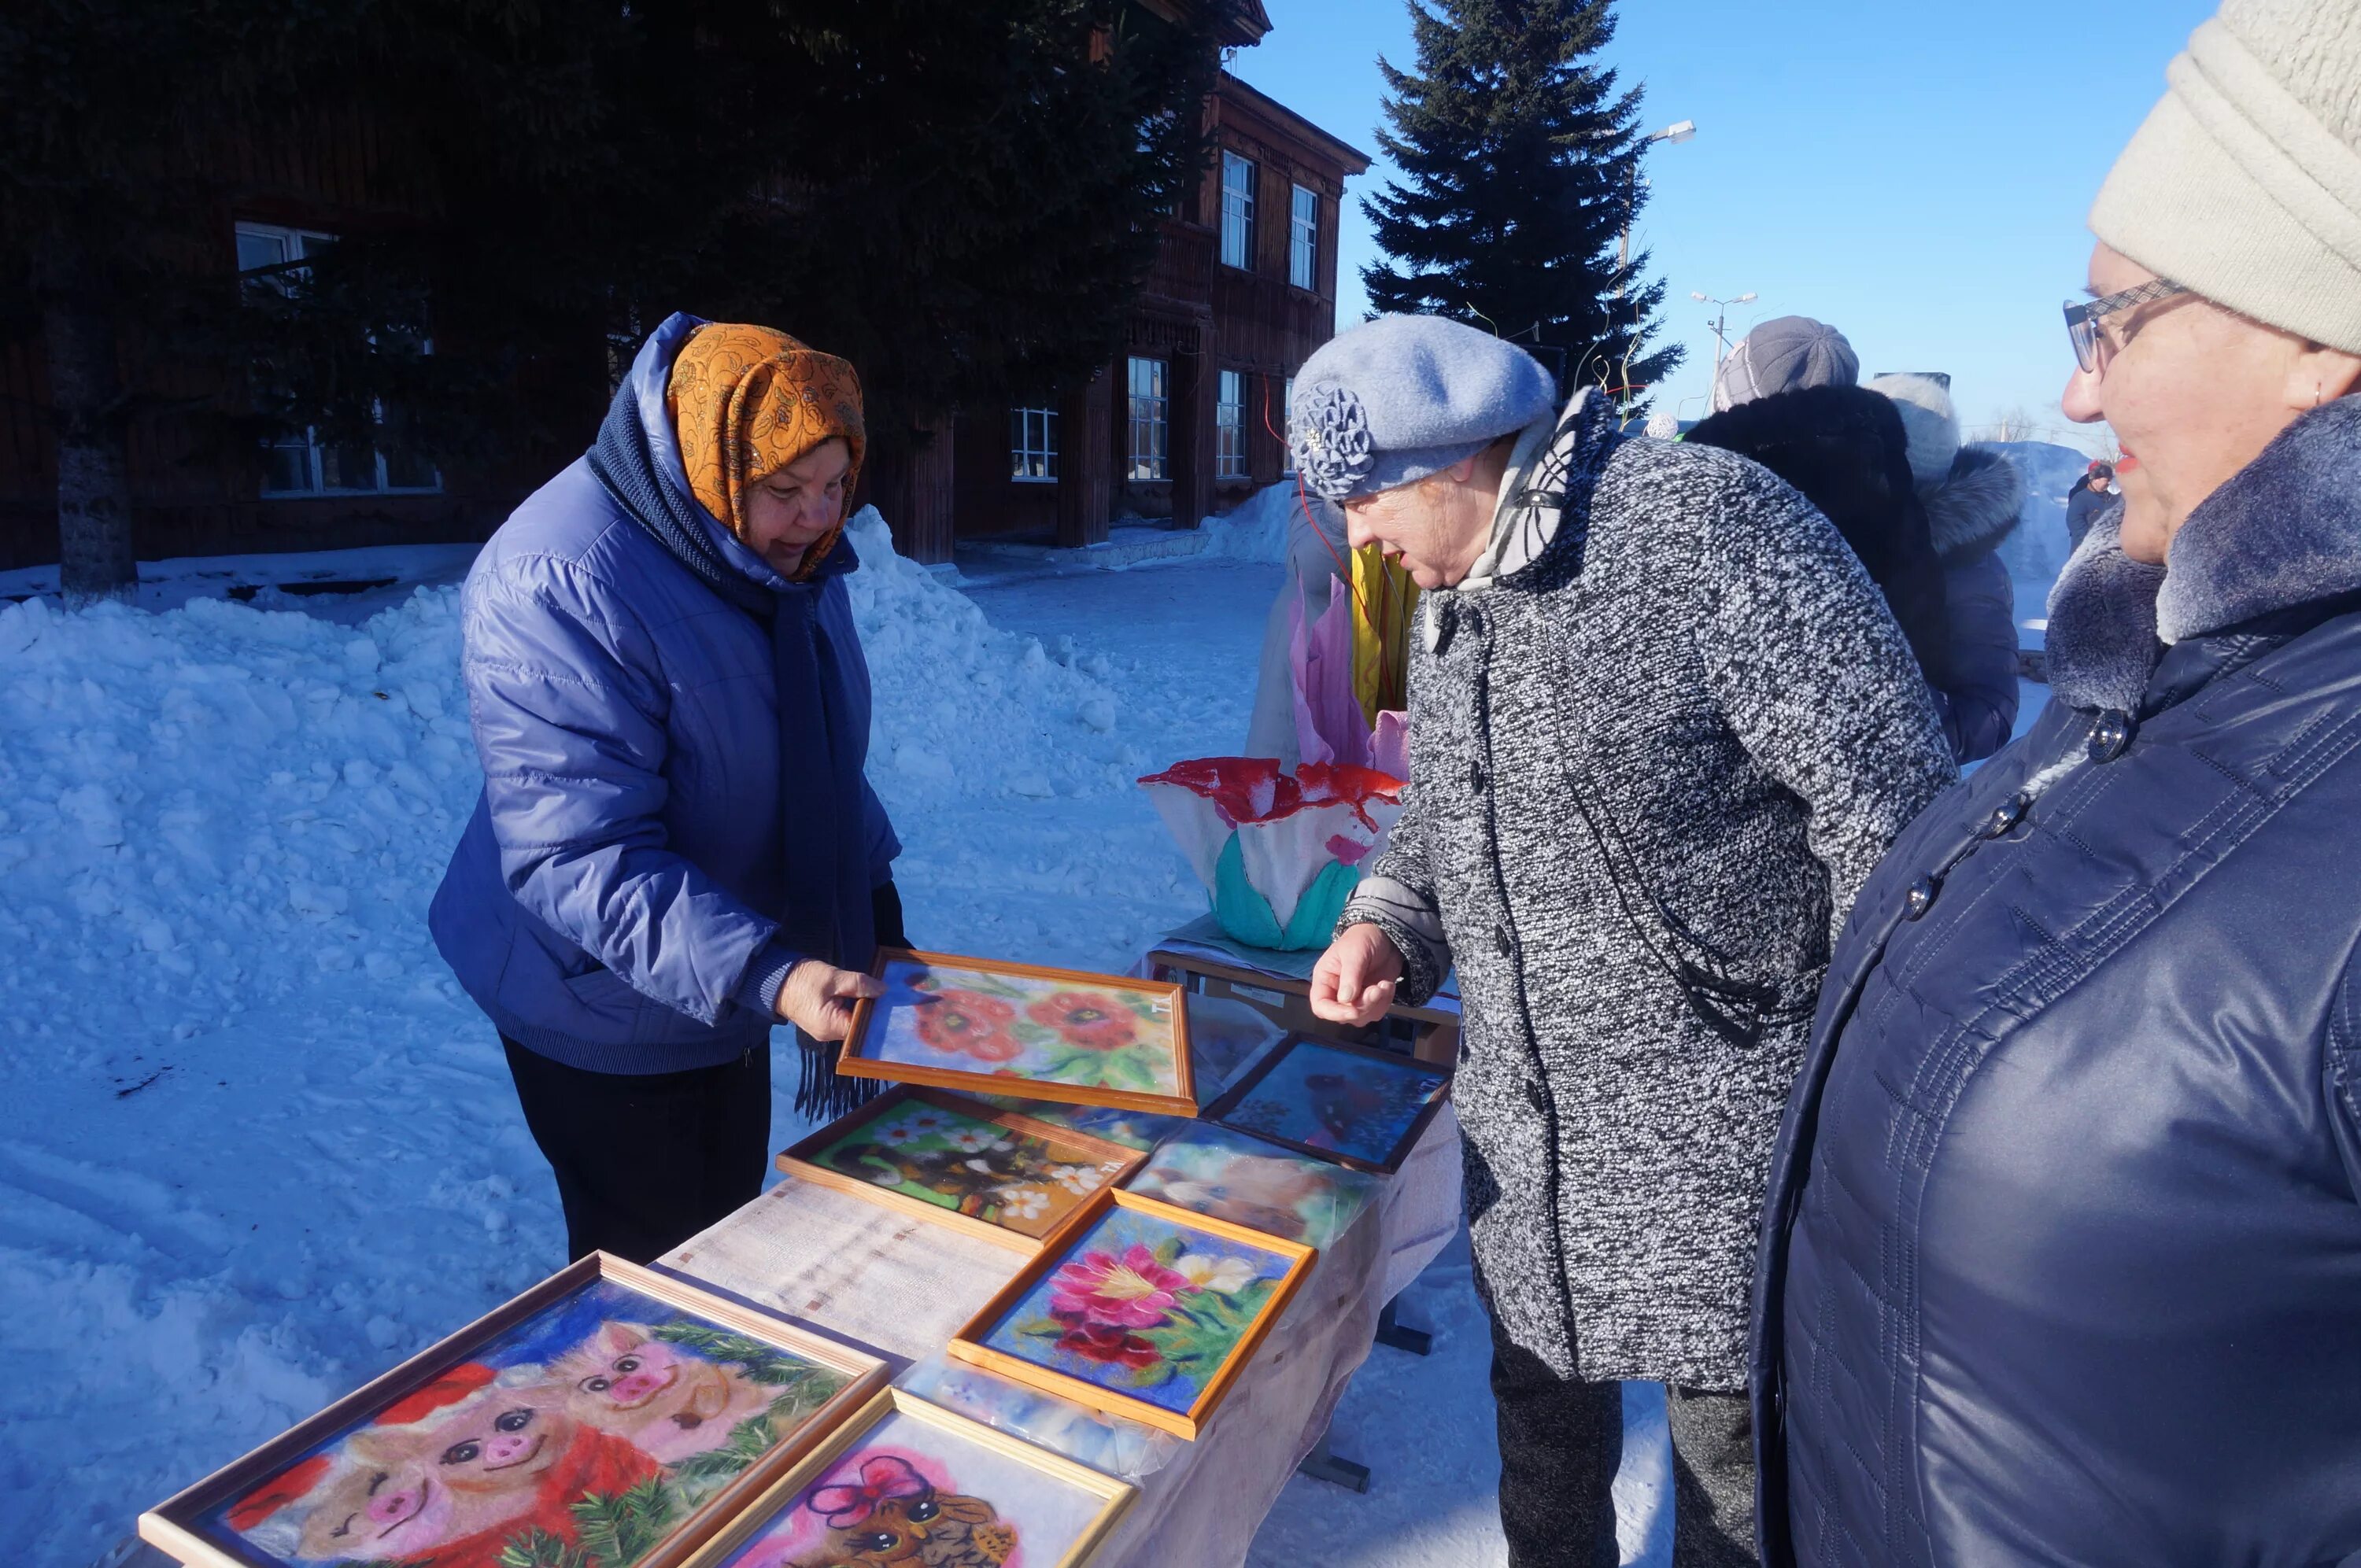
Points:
x=583 y=1437
x=1142 y=1305
x=1087 y=1033
x=910 y=1492
x=969 y=1166
x=1321 y=1098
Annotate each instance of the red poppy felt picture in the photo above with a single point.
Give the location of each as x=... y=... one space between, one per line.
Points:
x=1043 y=1034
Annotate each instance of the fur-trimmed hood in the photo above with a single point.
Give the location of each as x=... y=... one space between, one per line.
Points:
x=2285 y=531
x=1976 y=507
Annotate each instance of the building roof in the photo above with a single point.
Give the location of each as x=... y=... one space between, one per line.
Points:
x=1352 y=159
x=1245 y=27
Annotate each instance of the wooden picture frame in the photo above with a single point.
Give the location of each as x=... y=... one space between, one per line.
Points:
x=1221 y=1111
x=861 y=1056
x=182 y=1526
x=1117 y=1496
x=1110 y=1163
x=969 y=1343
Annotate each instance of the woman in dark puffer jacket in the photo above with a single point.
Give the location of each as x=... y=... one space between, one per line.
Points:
x=2062 y=1262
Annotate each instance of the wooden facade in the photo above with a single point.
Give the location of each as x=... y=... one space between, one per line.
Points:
x=1199 y=316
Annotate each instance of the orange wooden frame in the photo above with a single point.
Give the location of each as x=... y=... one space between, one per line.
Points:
x=1181 y=1103
x=1236 y=1093
x=171 y=1525
x=801 y=1161
x=968 y=1343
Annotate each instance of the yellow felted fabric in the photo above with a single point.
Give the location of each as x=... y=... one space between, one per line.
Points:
x=747 y=401
x=1381 y=636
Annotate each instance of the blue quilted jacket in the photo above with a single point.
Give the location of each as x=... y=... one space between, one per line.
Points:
x=2062 y=1263
x=622 y=871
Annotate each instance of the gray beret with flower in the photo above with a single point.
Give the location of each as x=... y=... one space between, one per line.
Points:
x=1399 y=398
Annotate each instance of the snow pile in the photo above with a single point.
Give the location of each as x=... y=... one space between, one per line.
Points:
x=1257 y=528
x=259 y=1145
x=2037 y=552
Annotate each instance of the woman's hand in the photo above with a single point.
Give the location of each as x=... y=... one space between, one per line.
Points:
x=819 y=998
x=1353 y=981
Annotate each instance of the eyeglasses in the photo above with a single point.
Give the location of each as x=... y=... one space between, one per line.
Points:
x=2093 y=348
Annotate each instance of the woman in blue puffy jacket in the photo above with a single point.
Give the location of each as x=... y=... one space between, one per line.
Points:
x=676 y=847
x=2061 y=1261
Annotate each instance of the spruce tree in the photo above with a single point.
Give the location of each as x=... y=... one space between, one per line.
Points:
x=1519 y=156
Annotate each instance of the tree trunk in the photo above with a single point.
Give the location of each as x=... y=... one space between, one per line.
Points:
x=94 y=555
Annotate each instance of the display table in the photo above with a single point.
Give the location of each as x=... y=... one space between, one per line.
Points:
x=899 y=1287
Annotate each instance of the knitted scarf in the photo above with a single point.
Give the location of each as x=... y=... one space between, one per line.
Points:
x=826 y=912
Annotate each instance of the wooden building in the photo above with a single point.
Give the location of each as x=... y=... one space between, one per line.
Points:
x=1193 y=416
x=1244 y=289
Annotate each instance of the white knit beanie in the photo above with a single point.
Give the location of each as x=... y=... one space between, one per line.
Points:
x=1929 y=422
x=2244 y=181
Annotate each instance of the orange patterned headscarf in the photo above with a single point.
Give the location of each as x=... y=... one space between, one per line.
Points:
x=747 y=401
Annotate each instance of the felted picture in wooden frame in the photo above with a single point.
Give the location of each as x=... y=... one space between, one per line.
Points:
x=610 y=1417
x=1143 y=1309
x=993 y=1173
x=909 y=1482
x=1360 y=1108
x=989 y=1027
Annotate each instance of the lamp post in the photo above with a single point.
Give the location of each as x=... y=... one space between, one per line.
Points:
x=1678 y=131
x=1720 y=315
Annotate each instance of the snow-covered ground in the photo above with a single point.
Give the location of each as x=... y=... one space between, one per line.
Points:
x=257 y=1146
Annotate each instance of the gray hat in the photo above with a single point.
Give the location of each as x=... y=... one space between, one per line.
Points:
x=1928 y=419
x=1782 y=355
x=1401 y=396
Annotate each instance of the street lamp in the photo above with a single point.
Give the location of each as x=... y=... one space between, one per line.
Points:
x=1721 y=314
x=1678 y=131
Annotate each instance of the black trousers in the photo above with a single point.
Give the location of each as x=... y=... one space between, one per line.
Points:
x=1561 y=1442
x=644 y=1162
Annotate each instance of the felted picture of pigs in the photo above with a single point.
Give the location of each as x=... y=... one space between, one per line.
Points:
x=1149 y=1312
x=959 y=1162
x=1231 y=1176
x=609 y=1417
x=905 y=1482
x=1359 y=1107
x=984 y=1026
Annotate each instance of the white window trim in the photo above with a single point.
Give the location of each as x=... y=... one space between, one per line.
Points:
x=1022 y=451
x=1160 y=419
x=314 y=461
x=1246 y=210
x=1230 y=459
x=1303 y=239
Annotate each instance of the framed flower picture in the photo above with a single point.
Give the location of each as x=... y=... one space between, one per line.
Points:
x=1045 y=1034
x=1144 y=1311
x=610 y=1417
x=908 y=1482
x=1236 y=1177
x=991 y=1172
x=1359 y=1107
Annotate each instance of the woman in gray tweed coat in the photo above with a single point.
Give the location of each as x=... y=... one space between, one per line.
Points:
x=1662 y=728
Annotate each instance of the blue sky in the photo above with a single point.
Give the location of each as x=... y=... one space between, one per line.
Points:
x=1919 y=181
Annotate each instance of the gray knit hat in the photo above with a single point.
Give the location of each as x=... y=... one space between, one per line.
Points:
x=1928 y=419
x=1782 y=355
x=1401 y=396
x=2244 y=181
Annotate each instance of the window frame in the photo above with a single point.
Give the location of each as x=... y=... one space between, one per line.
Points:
x=1024 y=452
x=1238 y=204
x=300 y=242
x=1230 y=461
x=1149 y=411
x=1304 y=238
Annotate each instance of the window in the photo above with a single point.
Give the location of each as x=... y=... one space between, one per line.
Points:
x=1303 y=239
x=1151 y=405
x=1287 y=428
x=1238 y=212
x=270 y=260
x=1230 y=427
x=1033 y=445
